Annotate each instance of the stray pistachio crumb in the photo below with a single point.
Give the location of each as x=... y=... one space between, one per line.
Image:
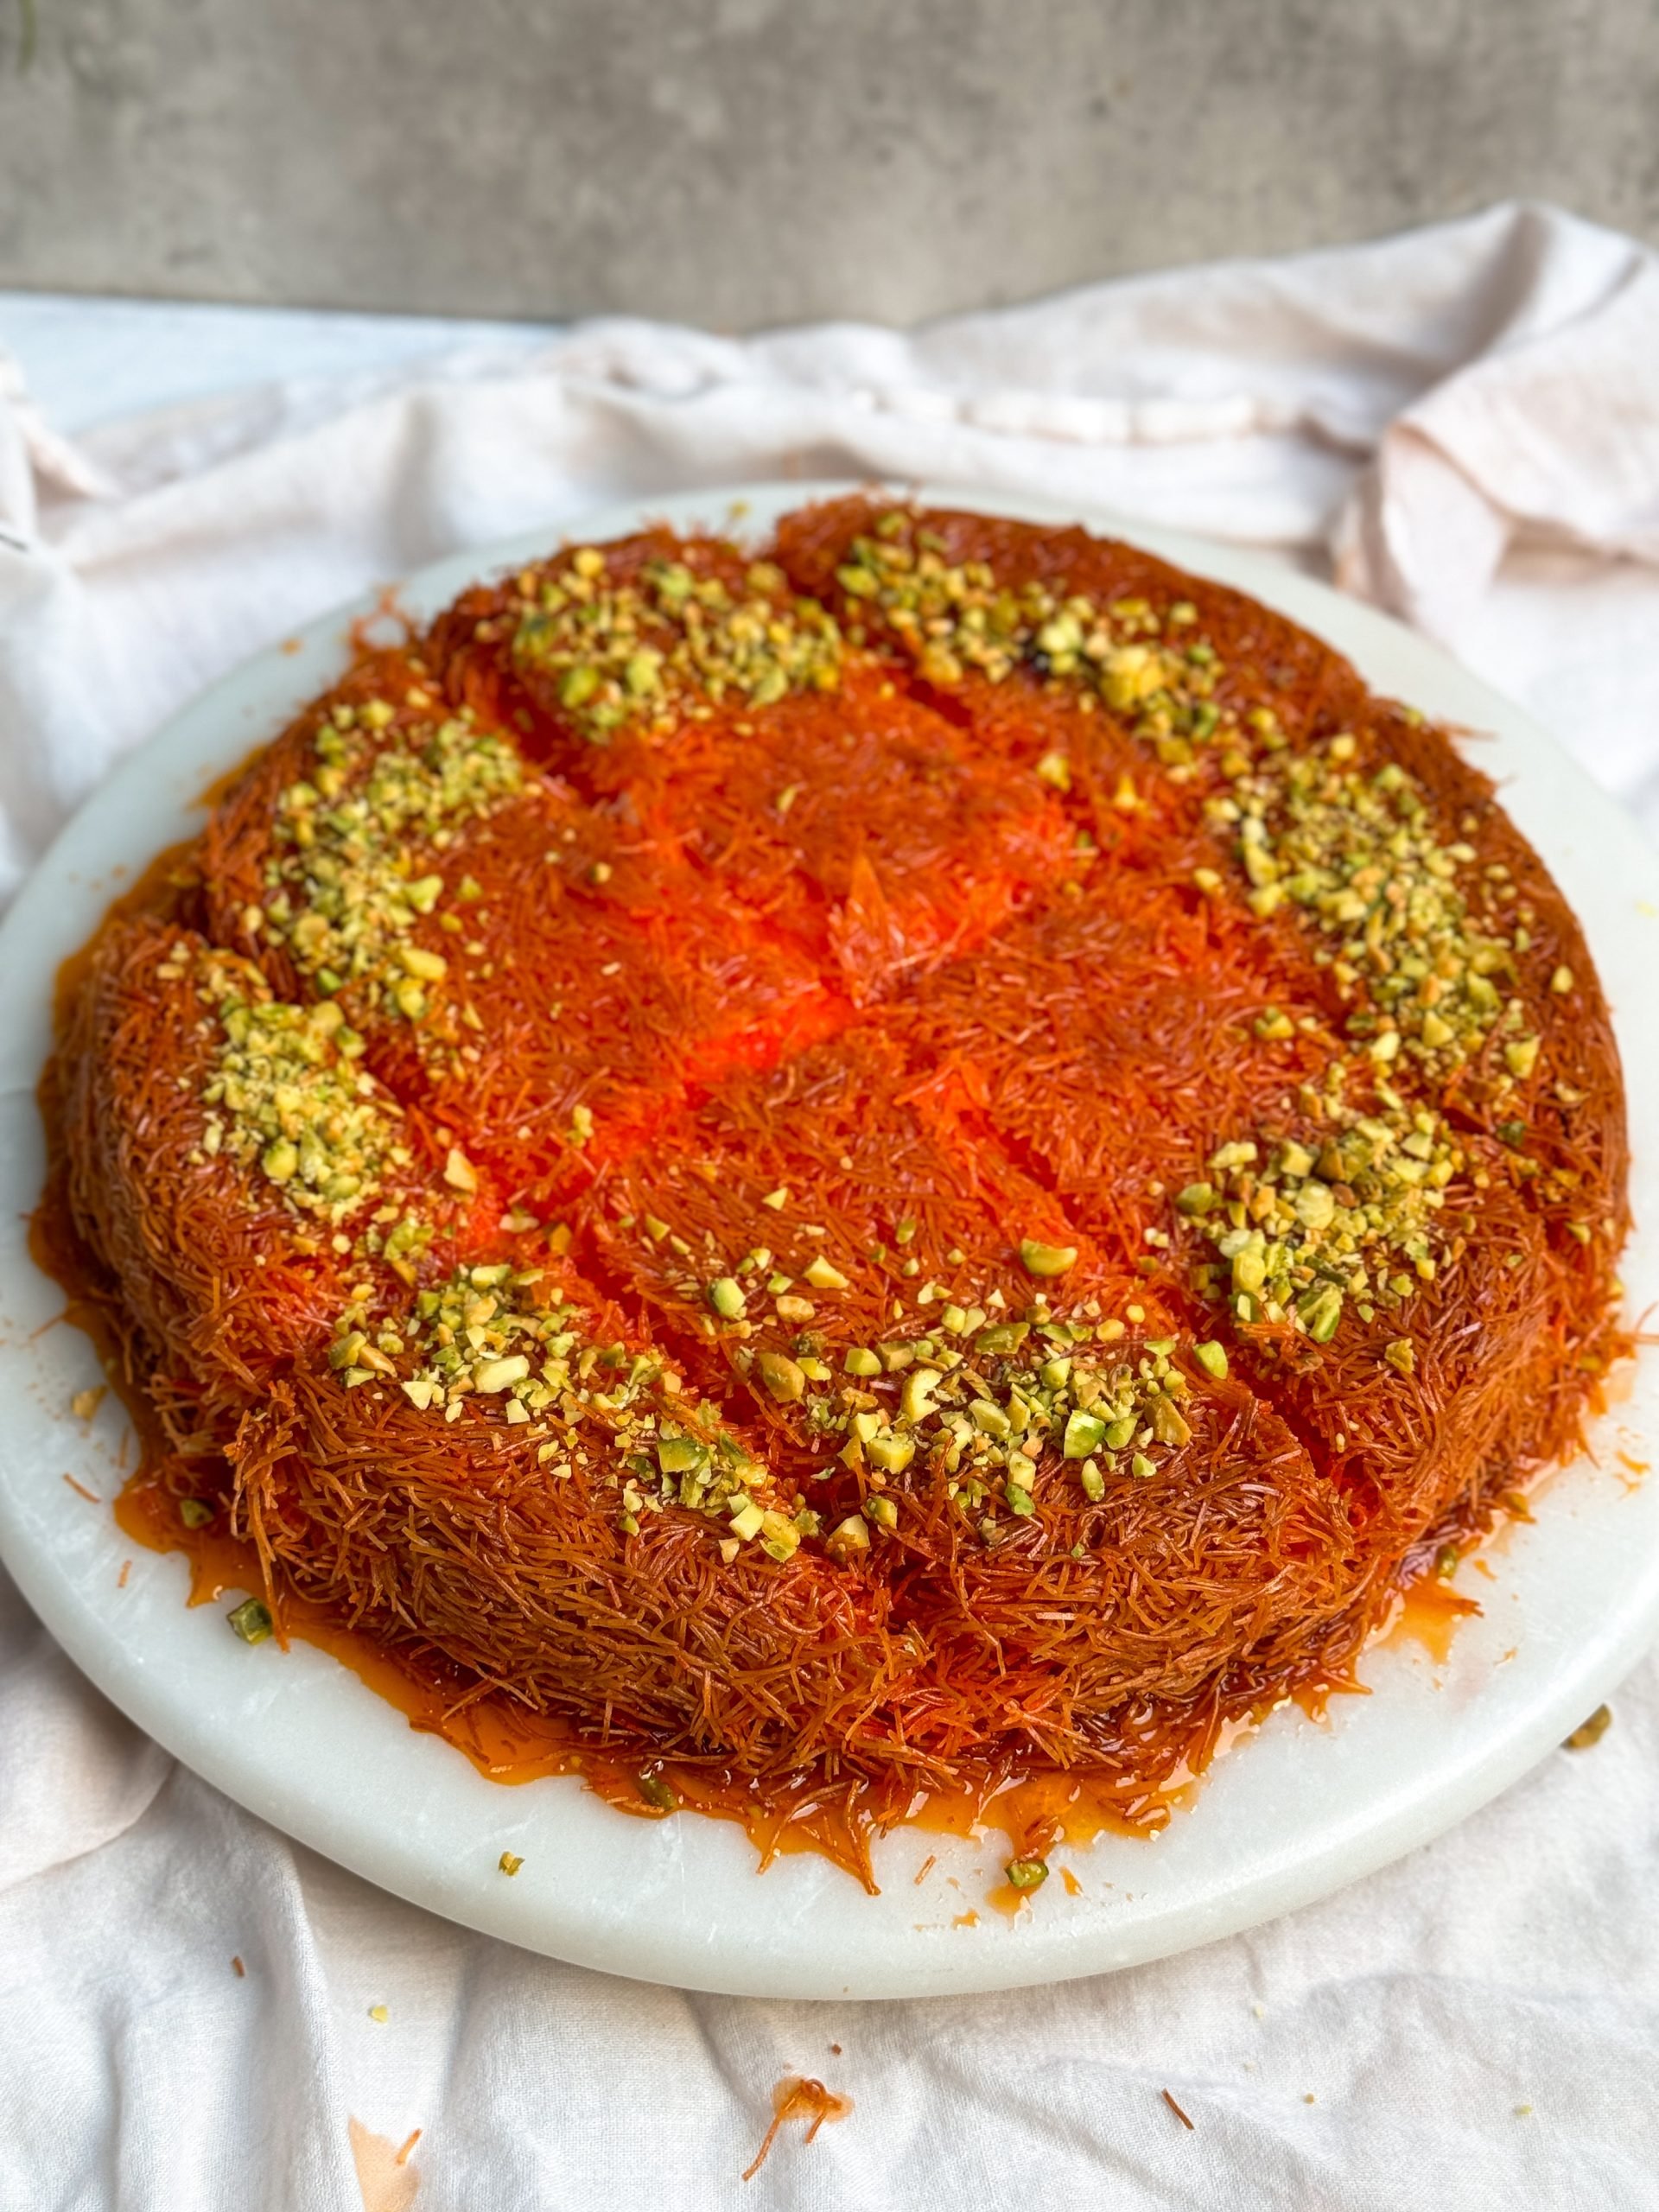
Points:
x=251 y=1620
x=1027 y=1874
x=1590 y=1731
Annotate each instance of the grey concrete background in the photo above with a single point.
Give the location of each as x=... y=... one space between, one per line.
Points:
x=741 y=163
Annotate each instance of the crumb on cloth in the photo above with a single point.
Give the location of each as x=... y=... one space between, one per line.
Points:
x=389 y=2181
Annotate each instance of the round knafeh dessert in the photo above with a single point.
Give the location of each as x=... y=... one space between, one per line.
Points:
x=924 y=1169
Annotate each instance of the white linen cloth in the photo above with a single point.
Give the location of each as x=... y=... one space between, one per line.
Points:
x=1466 y=421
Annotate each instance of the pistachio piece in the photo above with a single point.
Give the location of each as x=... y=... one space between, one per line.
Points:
x=1521 y=1057
x=1047 y=1260
x=492 y=1376
x=681 y=1455
x=892 y=1453
x=848 y=1540
x=916 y=1400
x=1085 y=1433
x=1002 y=1336
x=1169 y=1424
x=251 y=1620
x=782 y=1377
x=281 y=1161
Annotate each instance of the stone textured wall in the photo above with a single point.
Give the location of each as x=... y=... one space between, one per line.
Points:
x=745 y=162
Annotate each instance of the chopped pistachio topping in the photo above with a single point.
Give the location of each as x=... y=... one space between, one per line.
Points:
x=993 y=1408
x=251 y=1620
x=670 y=643
x=955 y=617
x=1027 y=1874
x=285 y=1095
x=1422 y=946
x=353 y=873
x=1351 y=1215
x=508 y=1339
x=1358 y=855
